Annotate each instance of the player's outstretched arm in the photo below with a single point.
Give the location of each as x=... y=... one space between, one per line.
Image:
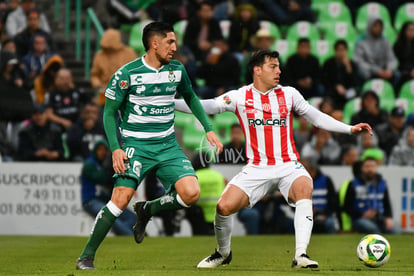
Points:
x=361 y=127
x=210 y=106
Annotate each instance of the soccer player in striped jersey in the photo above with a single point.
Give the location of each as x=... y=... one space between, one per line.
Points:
x=264 y=109
x=143 y=92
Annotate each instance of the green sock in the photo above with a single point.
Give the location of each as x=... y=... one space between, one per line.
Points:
x=103 y=223
x=164 y=203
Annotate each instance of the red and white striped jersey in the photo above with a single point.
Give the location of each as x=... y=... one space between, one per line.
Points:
x=266 y=120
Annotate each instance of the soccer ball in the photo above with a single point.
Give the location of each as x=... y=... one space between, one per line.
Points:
x=373 y=250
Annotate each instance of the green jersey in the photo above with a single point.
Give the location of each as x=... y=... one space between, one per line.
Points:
x=147 y=97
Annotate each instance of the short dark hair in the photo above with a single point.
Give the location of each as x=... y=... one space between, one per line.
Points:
x=155 y=28
x=303 y=40
x=341 y=42
x=258 y=58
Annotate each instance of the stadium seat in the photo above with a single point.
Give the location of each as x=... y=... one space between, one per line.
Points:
x=384 y=90
x=334 y=12
x=315 y=101
x=318 y=6
x=225 y=28
x=404 y=13
x=302 y=29
x=271 y=27
x=340 y=29
x=351 y=107
x=371 y=9
x=223 y=123
x=135 y=37
x=406 y=97
x=322 y=49
x=194 y=136
x=179 y=29
x=182 y=119
x=285 y=47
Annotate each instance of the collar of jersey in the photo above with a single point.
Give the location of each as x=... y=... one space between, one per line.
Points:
x=268 y=91
x=150 y=67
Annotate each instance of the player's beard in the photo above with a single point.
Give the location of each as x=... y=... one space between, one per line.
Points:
x=163 y=60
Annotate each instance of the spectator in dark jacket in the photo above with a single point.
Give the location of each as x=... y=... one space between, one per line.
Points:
x=370 y=112
x=367 y=201
x=340 y=75
x=97 y=187
x=404 y=51
x=82 y=135
x=202 y=31
x=303 y=71
x=40 y=140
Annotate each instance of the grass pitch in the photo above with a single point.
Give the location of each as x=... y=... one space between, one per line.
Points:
x=252 y=255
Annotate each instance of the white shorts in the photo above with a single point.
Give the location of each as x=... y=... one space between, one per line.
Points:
x=257 y=181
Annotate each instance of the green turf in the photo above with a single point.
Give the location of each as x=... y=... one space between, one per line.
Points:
x=252 y=255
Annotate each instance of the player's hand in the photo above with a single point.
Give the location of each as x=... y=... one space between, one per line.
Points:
x=361 y=127
x=214 y=141
x=118 y=158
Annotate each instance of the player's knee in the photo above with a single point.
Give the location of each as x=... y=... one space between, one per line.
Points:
x=223 y=208
x=190 y=196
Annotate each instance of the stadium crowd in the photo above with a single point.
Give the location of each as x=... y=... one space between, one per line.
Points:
x=365 y=74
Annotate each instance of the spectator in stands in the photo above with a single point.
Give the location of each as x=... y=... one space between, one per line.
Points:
x=349 y=154
x=324 y=198
x=3 y=34
x=403 y=153
x=212 y=184
x=15 y=100
x=303 y=71
x=262 y=40
x=404 y=51
x=16 y=20
x=8 y=45
x=326 y=105
x=11 y=6
x=370 y=112
x=375 y=153
x=286 y=12
x=322 y=147
x=234 y=152
x=367 y=201
x=302 y=134
x=96 y=188
x=46 y=80
x=244 y=26
x=202 y=31
x=112 y=55
x=40 y=140
x=374 y=55
x=370 y=142
x=24 y=38
x=37 y=57
x=64 y=100
x=221 y=71
x=83 y=134
x=340 y=75
x=390 y=132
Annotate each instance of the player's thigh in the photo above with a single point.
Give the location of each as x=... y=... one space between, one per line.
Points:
x=301 y=188
x=232 y=200
x=296 y=183
x=173 y=166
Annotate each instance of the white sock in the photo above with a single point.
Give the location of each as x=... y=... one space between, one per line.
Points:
x=113 y=209
x=303 y=225
x=222 y=227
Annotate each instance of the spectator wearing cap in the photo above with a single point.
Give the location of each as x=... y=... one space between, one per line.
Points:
x=370 y=112
x=16 y=20
x=374 y=55
x=403 y=153
x=262 y=40
x=390 y=132
x=40 y=140
x=374 y=153
x=24 y=38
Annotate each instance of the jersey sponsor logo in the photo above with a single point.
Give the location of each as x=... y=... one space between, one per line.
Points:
x=249 y=103
x=123 y=84
x=171 y=88
x=166 y=199
x=250 y=111
x=283 y=110
x=156 y=90
x=267 y=122
x=140 y=89
x=143 y=110
x=110 y=93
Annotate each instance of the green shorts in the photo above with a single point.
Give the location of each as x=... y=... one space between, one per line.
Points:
x=165 y=156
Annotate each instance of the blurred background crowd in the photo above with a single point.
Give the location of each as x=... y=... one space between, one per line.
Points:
x=354 y=60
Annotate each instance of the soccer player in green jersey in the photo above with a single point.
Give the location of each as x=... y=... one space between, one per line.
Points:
x=143 y=92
